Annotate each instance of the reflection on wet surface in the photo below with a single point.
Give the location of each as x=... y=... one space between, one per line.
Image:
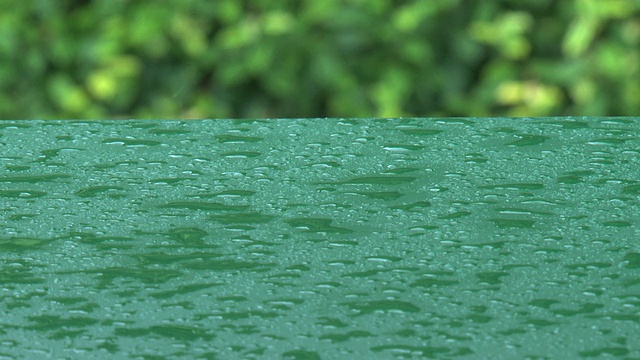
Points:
x=307 y=239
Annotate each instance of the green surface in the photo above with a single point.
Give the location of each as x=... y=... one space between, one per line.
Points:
x=305 y=239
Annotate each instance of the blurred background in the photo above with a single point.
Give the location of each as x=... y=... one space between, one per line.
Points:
x=326 y=58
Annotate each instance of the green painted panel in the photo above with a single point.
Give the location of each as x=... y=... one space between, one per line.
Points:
x=320 y=238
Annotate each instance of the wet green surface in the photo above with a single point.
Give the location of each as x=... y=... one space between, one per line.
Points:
x=332 y=239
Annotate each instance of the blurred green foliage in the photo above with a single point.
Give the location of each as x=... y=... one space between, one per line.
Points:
x=336 y=58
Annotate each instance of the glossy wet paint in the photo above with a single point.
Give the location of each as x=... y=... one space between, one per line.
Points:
x=320 y=238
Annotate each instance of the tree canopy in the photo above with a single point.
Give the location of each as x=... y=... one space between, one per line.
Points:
x=329 y=58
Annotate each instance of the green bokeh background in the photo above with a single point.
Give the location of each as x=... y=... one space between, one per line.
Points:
x=334 y=58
